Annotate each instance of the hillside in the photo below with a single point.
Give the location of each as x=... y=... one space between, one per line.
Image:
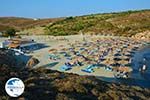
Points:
x=44 y=84
x=124 y=23
x=23 y=23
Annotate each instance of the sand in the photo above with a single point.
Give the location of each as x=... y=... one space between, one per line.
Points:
x=42 y=55
x=54 y=42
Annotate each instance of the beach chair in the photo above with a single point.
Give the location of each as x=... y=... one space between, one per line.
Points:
x=108 y=69
x=66 y=55
x=54 y=57
x=89 y=67
x=65 y=68
x=87 y=70
x=79 y=63
x=69 y=58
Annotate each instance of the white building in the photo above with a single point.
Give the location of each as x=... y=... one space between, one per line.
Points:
x=4 y=44
x=19 y=44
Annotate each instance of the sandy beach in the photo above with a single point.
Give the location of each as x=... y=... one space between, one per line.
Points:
x=51 y=42
x=42 y=55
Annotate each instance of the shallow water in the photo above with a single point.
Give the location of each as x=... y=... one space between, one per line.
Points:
x=138 y=78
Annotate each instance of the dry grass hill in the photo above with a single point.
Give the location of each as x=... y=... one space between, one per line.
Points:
x=23 y=23
x=123 y=23
x=127 y=23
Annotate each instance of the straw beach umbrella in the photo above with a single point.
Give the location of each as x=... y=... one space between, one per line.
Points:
x=53 y=50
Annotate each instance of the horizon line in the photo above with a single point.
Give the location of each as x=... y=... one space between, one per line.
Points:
x=121 y=11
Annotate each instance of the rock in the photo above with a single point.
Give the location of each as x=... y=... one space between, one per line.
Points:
x=22 y=98
x=32 y=62
x=7 y=58
x=143 y=36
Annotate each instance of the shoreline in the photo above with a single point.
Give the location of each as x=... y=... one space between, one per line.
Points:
x=54 y=42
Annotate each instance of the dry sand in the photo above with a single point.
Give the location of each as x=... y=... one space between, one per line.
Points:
x=54 y=42
x=42 y=55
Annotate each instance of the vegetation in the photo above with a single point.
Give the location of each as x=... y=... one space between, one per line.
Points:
x=23 y=23
x=124 y=23
x=9 y=32
x=45 y=84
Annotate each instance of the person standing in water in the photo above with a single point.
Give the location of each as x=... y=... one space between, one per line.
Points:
x=144 y=67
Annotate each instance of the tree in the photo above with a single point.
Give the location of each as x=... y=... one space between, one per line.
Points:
x=10 y=32
x=69 y=18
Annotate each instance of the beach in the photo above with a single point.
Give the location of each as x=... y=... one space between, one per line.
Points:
x=55 y=42
x=51 y=42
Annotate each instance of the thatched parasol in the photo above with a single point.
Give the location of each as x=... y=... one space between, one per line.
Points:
x=117 y=54
x=64 y=49
x=127 y=58
x=117 y=58
x=107 y=62
x=124 y=69
x=61 y=45
x=54 y=51
x=123 y=62
x=13 y=45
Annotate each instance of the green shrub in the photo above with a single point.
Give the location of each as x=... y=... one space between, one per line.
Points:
x=9 y=32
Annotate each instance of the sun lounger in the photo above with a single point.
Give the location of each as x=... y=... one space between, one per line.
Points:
x=54 y=57
x=82 y=48
x=87 y=70
x=66 y=55
x=121 y=75
x=69 y=58
x=108 y=69
x=65 y=68
x=62 y=52
x=79 y=64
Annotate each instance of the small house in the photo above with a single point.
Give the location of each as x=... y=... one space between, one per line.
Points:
x=22 y=44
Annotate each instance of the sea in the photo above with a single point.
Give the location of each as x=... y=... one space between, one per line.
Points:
x=138 y=78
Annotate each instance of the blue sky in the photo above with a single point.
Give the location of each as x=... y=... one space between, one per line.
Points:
x=61 y=8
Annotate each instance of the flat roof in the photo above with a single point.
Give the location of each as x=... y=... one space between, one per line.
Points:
x=15 y=42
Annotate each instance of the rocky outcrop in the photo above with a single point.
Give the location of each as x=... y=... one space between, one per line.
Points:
x=7 y=58
x=143 y=36
x=32 y=62
x=45 y=84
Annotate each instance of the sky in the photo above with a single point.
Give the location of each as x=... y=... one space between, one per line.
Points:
x=64 y=8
